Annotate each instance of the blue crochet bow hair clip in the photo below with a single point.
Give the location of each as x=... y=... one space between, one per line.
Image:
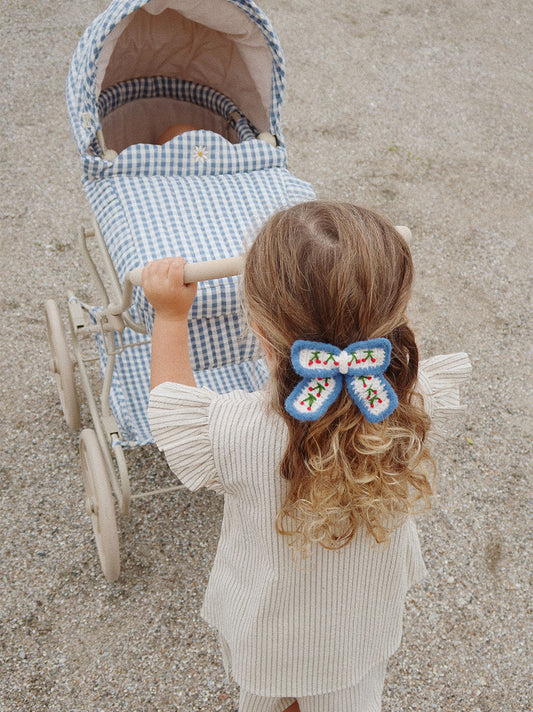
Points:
x=324 y=367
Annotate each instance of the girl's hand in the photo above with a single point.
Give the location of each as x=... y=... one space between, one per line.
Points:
x=163 y=285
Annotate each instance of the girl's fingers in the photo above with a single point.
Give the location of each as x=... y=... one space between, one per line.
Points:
x=165 y=269
x=163 y=285
x=175 y=271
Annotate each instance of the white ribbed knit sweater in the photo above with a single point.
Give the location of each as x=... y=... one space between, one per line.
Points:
x=292 y=628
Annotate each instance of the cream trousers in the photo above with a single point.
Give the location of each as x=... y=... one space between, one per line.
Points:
x=364 y=697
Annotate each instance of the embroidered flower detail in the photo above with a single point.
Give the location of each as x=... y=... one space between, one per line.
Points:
x=200 y=154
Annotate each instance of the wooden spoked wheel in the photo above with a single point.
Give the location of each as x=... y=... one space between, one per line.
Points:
x=100 y=504
x=62 y=366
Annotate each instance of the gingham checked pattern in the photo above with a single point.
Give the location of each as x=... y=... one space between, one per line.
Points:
x=198 y=195
x=178 y=89
x=199 y=217
x=179 y=157
x=131 y=385
x=81 y=84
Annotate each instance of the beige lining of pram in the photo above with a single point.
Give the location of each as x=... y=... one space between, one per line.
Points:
x=214 y=44
x=144 y=120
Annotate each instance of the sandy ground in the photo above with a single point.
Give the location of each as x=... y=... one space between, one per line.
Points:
x=420 y=109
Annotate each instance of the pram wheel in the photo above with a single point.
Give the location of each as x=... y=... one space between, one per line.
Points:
x=100 y=503
x=62 y=365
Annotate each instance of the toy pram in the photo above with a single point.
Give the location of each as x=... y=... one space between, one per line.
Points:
x=139 y=68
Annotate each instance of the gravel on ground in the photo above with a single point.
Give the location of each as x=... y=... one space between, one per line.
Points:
x=419 y=109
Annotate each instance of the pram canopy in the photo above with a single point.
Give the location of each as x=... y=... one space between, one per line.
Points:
x=228 y=45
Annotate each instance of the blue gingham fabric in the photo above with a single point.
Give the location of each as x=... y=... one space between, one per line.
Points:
x=171 y=88
x=81 y=83
x=200 y=218
x=181 y=156
x=198 y=196
x=212 y=209
x=130 y=390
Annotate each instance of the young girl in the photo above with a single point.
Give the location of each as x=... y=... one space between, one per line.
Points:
x=321 y=470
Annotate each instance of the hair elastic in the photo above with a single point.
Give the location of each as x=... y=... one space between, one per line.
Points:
x=324 y=367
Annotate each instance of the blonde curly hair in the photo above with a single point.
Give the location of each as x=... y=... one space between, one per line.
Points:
x=337 y=273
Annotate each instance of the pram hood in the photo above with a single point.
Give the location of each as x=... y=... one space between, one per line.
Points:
x=228 y=45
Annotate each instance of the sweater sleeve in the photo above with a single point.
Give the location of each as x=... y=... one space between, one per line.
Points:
x=439 y=379
x=178 y=416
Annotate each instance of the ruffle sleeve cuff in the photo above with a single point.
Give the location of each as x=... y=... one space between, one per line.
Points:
x=178 y=416
x=439 y=379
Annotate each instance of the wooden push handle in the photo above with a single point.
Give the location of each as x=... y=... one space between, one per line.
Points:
x=201 y=272
x=192 y=272
x=226 y=267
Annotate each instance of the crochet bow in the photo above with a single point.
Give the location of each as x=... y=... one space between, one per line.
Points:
x=324 y=367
